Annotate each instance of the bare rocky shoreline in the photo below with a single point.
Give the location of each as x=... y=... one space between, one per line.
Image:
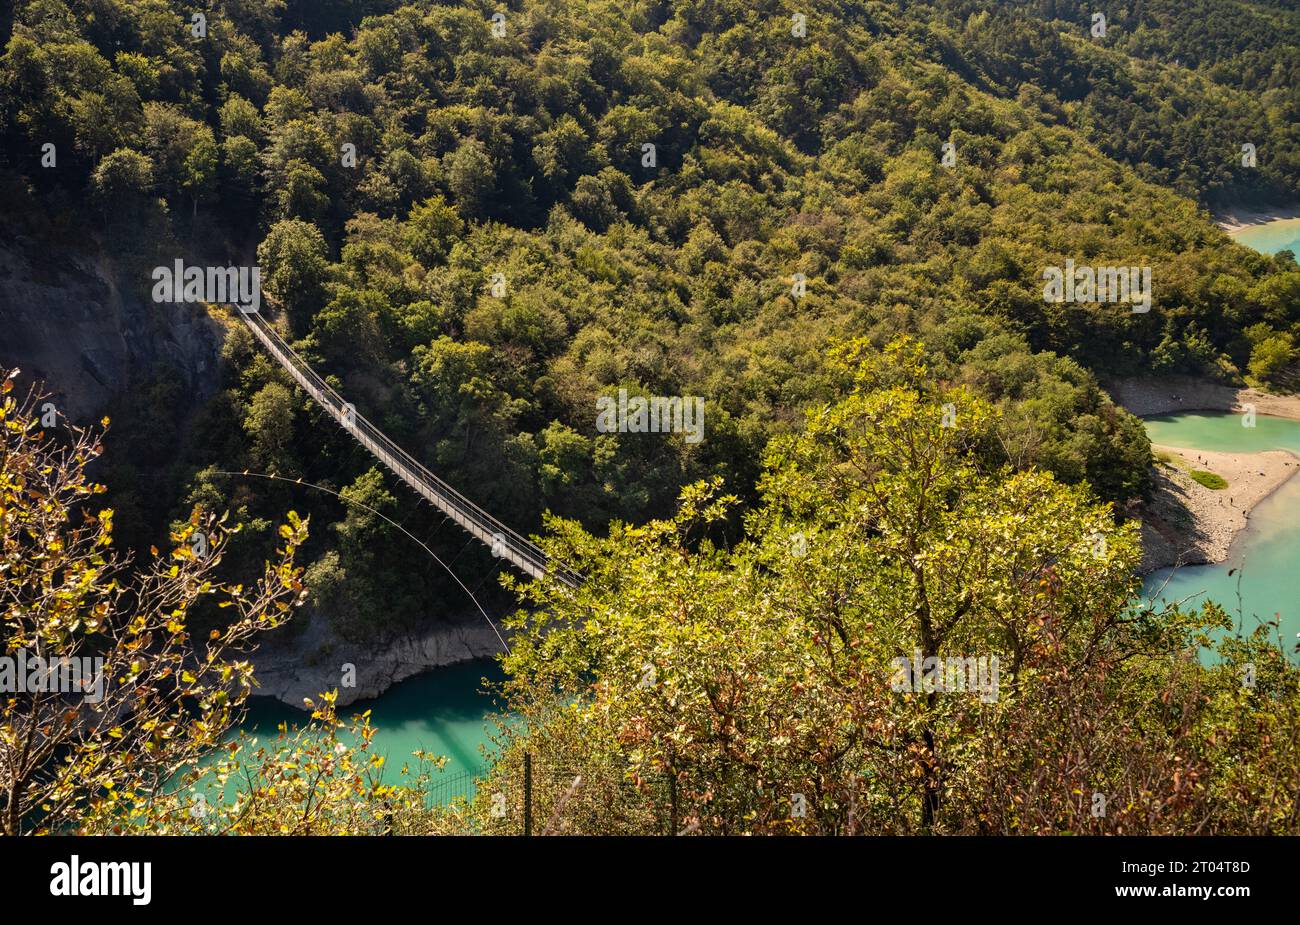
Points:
x=1186 y=523
x=293 y=668
x=1145 y=397
x=1238 y=218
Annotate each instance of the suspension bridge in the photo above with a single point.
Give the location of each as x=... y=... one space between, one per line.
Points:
x=503 y=542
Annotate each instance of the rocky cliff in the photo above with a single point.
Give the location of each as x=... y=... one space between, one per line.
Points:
x=316 y=660
x=72 y=321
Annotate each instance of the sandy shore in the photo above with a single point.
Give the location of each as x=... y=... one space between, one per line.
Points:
x=1186 y=523
x=1236 y=219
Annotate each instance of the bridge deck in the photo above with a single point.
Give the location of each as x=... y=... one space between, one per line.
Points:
x=504 y=542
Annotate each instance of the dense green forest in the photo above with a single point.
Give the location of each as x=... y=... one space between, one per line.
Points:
x=476 y=227
x=1168 y=89
x=477 y=219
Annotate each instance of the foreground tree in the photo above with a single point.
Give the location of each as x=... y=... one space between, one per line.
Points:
x=687 y=687
x=320 y=778
x=104 y=695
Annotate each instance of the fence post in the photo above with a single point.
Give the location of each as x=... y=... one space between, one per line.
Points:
x=528 y=794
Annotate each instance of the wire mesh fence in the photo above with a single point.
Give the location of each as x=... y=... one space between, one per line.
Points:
x=522 y=795
x=560 y=794
x=447 y=787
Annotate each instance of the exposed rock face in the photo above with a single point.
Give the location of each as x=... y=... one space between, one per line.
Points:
x=293 y=668
x=70 y=321
x=1145 y=397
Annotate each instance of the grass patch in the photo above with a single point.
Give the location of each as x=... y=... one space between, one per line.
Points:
x=1208 y=479
x=1164 y=459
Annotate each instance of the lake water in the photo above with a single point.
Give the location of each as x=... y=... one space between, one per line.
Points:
x=1266 y=556
x=443 y=712
x=1271 y=237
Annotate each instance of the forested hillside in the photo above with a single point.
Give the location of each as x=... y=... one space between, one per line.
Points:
x=1173 y=88
x=477 y=226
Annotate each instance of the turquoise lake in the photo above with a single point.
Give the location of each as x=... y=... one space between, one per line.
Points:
x=1271 y=237
x=443 y=712
x=1266 y=556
